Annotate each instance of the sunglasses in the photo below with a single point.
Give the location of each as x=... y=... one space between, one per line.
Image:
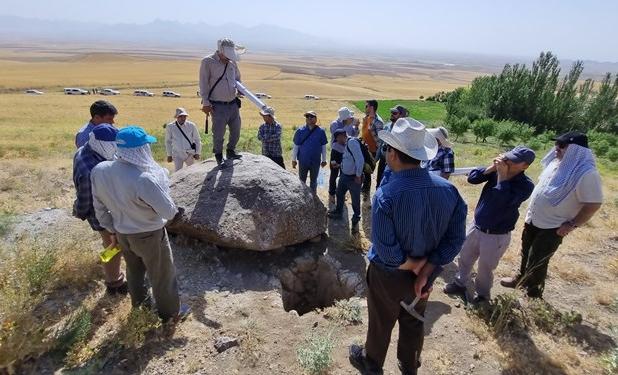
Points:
x=309 y=116
x=561 y=145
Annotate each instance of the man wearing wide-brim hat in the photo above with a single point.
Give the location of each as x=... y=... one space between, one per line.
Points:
x=182 y=140
x=269 y=133
x=443 y=164
x=418 y=225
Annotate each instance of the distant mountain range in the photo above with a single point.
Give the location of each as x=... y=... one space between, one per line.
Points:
x=265 y=38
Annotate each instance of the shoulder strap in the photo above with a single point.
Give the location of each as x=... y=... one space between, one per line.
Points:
x=308 y=135
x=216 y=83
x=183 y=133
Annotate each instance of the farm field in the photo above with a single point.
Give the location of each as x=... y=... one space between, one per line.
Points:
x=36 y=148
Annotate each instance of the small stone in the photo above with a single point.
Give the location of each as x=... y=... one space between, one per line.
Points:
x=223 y=343
x=315 y=324
x=476 y=356
x=294 y=313
x=458 y=305
x=472 y=366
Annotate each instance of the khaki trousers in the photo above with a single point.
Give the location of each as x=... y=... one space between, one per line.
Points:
x=179 y=162
x=150 y=252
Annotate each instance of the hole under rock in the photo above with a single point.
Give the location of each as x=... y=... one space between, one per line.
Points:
x=311 y=284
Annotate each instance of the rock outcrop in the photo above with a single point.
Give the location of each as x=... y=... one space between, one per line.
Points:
x=250 y=203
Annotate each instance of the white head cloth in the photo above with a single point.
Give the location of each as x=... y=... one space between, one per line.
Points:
x=106 y=149
x=141 y=157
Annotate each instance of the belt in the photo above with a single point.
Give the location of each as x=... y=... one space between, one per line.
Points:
x=218 y=102
x=491 y=231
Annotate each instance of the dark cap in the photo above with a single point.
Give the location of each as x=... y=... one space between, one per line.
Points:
x=105 y=133
x=400 y=109
x=521 y=154
x=573 y=137
x=339 y=131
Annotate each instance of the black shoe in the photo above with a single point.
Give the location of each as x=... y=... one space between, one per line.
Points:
x=231 y=154
x=360 y=362
x=355 y=228
x=219 y=158
x=453 y=288
x=334 y=214
x=479 y=300
x=121 y=289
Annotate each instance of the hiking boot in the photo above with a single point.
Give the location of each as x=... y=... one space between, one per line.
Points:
x=355 y=229
x=334 y=214
x=509 y=282
x=231 y=154
x=454 y=288
x=121 y=289
x=332 y=199
x=477 y=300
x=219 y=158
x=360 y=362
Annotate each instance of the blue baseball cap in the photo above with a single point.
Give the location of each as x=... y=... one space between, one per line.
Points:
x=105 y=132
x=521 y=154
x=133 y=136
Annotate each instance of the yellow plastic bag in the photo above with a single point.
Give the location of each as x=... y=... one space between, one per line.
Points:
x=107 y=254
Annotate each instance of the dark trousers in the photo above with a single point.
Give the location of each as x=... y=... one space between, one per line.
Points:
x=367 y=178
x=277 y=159
x=537 y=247
x=346 y=182
x=313 y=171
x=381 y=167
x=334 y=172
x=385 y=290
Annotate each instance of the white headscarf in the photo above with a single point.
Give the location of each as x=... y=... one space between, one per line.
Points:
x=141 y=157
x=576 y=162
x=106 y=149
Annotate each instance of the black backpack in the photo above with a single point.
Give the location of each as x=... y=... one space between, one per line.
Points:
x=369 y=162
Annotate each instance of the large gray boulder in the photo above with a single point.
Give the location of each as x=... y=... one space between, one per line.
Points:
x=250 y=203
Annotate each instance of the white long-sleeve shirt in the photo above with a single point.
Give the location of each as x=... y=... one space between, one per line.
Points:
x=353 y=160
x=127 y=200
x=176 y=145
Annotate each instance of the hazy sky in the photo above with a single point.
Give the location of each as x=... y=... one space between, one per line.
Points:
x=572 y=29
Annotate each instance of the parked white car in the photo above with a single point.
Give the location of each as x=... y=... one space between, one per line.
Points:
x=109 y=92
x=142 y=93
x=171 y=94
x=312 y=97
x=263 y=95
x=75 y=91
x=34 y=92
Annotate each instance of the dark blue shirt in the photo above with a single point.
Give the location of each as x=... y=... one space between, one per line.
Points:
x=498 y=206
x=310 y=145
x=84 y=160
x=416 y=214
x=83 y=134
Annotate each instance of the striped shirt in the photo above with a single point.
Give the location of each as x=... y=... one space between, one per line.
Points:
x=416 y=214
x=270 y=135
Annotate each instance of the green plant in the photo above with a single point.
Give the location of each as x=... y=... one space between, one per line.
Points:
x=139 y=323
x=346 y=312
x=612 y=154
x=506 y=132
x=458 y=126
x=315 y=353
x=600 y=147
x=524 y=132
x=6 y=222
x=610 y=362
x=483 y=129
x=535 y=144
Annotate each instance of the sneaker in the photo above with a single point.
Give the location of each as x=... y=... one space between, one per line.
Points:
x=219 y=158
x=334 y=214
x=360 y=362
x=121 y=289
x=454 y=288
x=509 y=282
x=231 y=154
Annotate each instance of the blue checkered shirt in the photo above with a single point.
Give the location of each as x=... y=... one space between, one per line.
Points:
x=443 y=162
x=84 y=160
x=270 y=135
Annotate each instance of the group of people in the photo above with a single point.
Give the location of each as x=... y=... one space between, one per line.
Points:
x=418 y=222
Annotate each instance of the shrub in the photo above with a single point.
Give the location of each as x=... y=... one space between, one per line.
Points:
x=458 y=126
x=612 y=154
x=345 y=312
x=483 y=128
x=600 y=147
x=547 y=137
x=524 y=132
x=506 y=132
x=315 y=354
x=140 y=322
x=535 y=144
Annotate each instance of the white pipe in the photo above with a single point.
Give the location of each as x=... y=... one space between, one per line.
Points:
x=251 y=96
x=462 y=171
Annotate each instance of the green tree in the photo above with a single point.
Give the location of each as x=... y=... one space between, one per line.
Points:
x=458 y=126
x=483 y=128
x=506 y=132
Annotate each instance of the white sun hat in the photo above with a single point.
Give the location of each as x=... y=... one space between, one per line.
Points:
x=180 y=112
x=410 y=137
x=268 y=111
x=344 y=113
x=229 y=49
x=442 y=135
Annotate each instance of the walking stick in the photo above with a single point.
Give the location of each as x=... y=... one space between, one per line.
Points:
x=206 y=123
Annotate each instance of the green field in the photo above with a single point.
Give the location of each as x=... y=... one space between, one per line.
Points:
x=428 y=112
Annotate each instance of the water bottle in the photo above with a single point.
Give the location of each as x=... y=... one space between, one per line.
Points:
x=321 y=178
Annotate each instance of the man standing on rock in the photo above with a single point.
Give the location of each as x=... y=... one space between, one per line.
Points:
x=345 y=121
x=269 y=133
x=132 y=201
x=351 y=176
x=506 y=188
x=218 y=75
x=182 y=141
x=397 y=112
x=309 y=148
x=372 y=125
x=568 y=194
x=101 y=112
x=418 y=225
x=100 y=147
